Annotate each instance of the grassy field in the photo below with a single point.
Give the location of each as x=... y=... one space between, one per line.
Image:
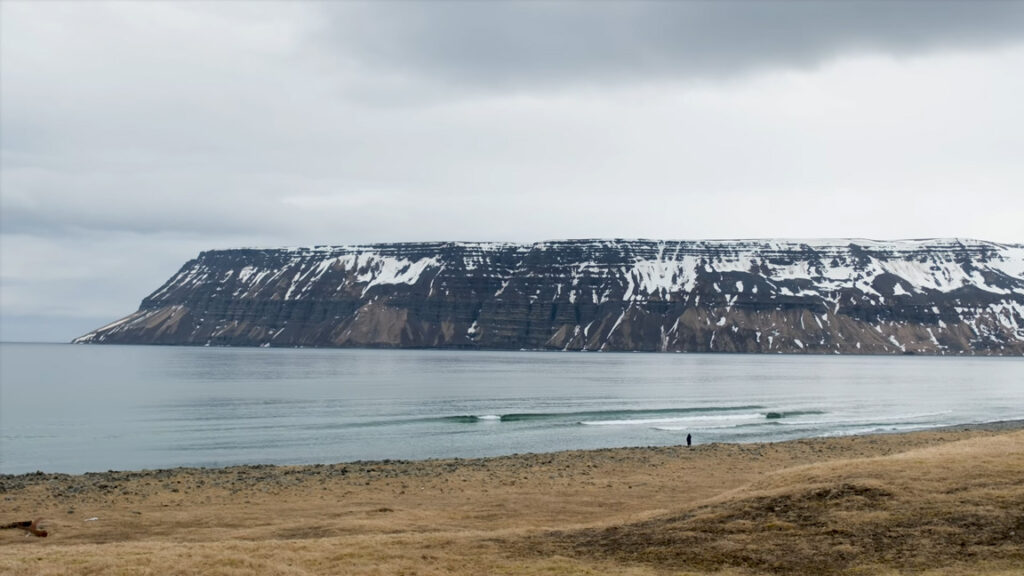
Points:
x=940 y=502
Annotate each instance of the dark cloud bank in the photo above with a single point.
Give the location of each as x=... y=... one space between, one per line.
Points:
x=524 y=43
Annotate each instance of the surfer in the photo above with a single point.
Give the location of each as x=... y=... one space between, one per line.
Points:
x=689 y=440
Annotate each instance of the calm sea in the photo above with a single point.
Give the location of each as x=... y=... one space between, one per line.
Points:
x=66 y=408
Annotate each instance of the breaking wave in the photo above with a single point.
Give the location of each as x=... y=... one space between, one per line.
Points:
x=610 y=417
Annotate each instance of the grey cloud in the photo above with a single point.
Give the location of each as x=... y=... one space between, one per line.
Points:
x=521 y=44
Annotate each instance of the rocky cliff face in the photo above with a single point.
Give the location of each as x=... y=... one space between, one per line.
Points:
x=843 y=296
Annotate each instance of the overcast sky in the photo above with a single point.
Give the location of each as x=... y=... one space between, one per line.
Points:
x=136 y=134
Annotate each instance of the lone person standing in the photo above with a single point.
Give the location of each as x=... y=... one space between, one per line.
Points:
x=689 y=440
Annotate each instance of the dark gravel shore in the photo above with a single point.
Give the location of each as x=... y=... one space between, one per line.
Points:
x=237 y=478
x=1000 y=425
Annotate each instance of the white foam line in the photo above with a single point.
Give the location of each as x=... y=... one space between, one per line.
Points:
x=689 y=419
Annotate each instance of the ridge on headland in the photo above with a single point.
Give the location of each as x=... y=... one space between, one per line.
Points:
x=938 y=296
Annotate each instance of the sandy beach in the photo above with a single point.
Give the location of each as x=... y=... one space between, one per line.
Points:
x=947 y=501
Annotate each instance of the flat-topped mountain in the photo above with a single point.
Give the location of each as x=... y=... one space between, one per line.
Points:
x=944 y=296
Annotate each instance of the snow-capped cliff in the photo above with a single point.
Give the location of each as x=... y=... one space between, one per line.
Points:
x=822 y=296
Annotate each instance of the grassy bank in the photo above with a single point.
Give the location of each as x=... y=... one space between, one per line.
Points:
x=943 y=502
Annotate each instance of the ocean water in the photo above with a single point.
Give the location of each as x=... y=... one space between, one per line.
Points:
x=74 y=409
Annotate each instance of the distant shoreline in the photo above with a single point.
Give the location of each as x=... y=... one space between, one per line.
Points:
x=796 y=353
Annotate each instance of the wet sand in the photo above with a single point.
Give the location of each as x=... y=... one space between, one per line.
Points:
x=566 y=512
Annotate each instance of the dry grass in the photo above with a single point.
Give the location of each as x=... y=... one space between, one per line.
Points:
x=958 y=508
x=926 y=503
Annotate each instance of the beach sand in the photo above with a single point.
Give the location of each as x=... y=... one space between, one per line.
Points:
x=947 y=501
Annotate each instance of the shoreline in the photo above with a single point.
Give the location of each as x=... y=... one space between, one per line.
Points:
x=991 y=426
x=997 y=425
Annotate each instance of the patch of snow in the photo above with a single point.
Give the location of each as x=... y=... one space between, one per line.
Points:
x=896 y=342
x=618 y=321
x=389 y=270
